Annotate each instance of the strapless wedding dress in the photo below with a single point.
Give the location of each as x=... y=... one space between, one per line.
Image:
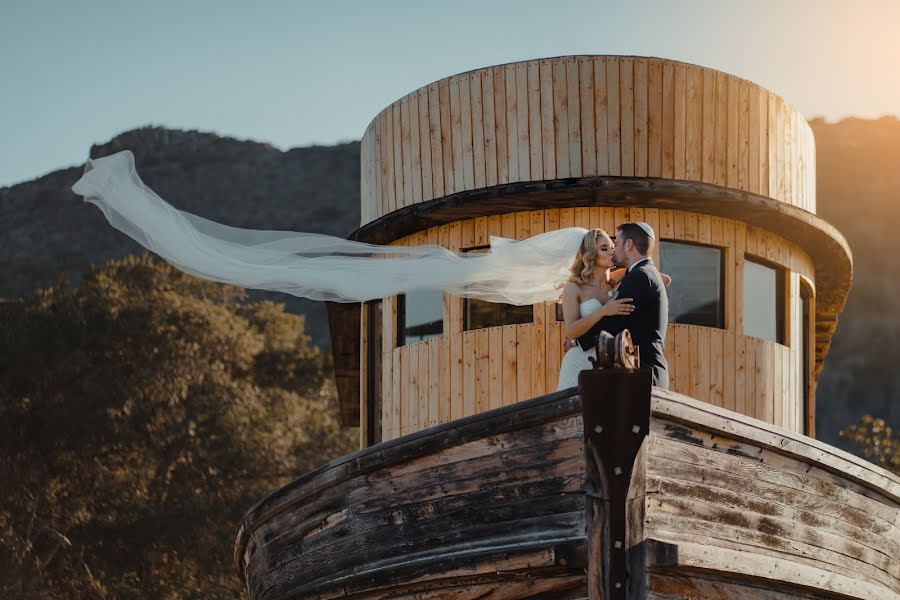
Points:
x=577 y=360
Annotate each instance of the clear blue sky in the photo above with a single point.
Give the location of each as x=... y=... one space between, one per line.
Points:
x=299 y=72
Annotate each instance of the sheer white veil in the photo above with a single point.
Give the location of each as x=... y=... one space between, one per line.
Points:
x=322 y=267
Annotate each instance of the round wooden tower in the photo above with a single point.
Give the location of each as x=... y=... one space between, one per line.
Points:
x=721 y=168
x=475 y=478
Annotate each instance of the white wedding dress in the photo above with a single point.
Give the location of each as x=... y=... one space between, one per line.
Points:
x=577 y=360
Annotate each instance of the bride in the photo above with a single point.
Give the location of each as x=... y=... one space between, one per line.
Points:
x=587 y=298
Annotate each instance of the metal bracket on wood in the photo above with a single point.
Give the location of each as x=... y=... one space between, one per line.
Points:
x=616 y=414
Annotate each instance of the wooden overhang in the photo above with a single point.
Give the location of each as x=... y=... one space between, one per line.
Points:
x=822 y=241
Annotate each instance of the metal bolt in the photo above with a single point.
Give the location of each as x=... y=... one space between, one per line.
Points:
x=635 y=428
x=618 y=544
x=598 y=429
x=617 y=471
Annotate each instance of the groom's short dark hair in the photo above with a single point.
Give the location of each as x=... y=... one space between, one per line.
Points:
x=634 y=232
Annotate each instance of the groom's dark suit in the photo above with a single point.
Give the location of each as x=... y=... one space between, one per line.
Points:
x=647 y=323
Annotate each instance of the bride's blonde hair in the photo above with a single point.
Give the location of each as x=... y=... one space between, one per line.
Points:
x=583 y=266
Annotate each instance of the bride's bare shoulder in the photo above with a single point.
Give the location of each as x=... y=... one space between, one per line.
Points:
x=571 y=290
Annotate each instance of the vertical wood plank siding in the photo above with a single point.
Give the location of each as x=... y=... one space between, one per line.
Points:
x=473 y=371
x=585 y=116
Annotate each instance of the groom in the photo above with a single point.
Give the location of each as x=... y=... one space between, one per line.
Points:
x=647 y=323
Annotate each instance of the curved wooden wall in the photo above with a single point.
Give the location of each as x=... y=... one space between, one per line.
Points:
x=580 y=116
x=468 y=372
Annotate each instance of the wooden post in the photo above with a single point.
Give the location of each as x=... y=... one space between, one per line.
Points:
x=616 y=416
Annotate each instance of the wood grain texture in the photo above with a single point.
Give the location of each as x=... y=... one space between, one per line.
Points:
x=587 y=115
x=492 y=505
x=513 y=363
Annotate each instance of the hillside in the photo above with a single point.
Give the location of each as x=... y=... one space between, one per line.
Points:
x=247 y=184
x=47 y=230
x=858 y=184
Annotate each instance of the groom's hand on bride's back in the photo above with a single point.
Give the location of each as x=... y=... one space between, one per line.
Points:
x=619 y=306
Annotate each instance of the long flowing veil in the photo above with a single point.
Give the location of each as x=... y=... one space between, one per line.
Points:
x=322 y=267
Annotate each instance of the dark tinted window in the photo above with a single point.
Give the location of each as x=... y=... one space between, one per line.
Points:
x=697 y=291
x=373 y=372
x=420 y=315
x=763 y=301
x=480 y=314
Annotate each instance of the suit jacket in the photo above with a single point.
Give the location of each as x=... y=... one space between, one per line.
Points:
x=647 y=323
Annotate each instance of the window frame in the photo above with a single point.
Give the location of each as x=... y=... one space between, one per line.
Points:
x=782 y=308
x=401 y=322
x=466 y=301
x=374 y=330
x=722 y=316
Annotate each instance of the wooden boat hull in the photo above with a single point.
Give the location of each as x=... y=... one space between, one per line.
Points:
x=715 y=505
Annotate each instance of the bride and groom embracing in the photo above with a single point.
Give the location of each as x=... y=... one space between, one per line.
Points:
x=613 y=287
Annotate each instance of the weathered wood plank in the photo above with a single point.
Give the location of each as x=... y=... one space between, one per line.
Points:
x=835 y=465
x=406 y=158
x=495 y=359
x=500 y=117
x=694 y=123
x=601 y=115
x=466 y=128
x=446 y=136
x=655 y=118
x=573 y=116
x=699 y=556
x=409 y=388
x=709 y=127
x=588 y=127
x=525 y=335
x=538 y=343
x=641 y=117
x=397 y=164
x=445 y=393
x=763 y=535
x=512 y=124
x=509 y=366
x=435 y=134
x=423 y=419
x=415 y=150
x=424 y=141
x=679 y=86
x=743 y=136
x=626 y=114
x=470 y=372
x=458 y=138
x=613 y=121
x=489 y=122
x=561 y=120
x=548 y=136
x=523 y=140
x=535 y=131
x=479 y=145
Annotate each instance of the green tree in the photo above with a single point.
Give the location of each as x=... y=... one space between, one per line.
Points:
x=141 y=414
x=876 y=441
